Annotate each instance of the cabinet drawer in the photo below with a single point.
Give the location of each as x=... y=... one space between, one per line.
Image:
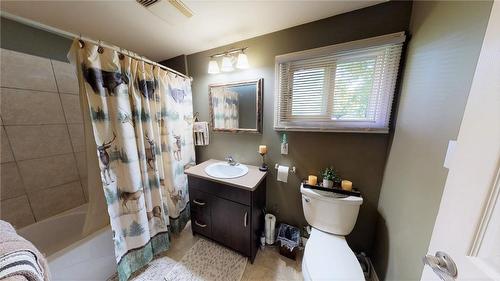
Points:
x=201 y=224
x=221 y=190
x=200 y=203
x=199 y=200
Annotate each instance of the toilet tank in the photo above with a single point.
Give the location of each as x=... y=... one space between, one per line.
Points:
x=330 y=212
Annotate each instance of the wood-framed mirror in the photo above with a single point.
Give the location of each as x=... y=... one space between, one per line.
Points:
x=236 y=106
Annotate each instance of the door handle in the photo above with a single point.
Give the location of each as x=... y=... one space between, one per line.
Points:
x=443 y=265
x=199 y=224
x=306 y=199
x=245 y=219
x=199 y=203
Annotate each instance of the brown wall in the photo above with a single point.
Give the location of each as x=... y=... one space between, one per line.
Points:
x=177 y=63
x=440 y=64
x=359 y=157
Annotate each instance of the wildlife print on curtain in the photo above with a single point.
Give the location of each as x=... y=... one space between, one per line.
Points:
x=142 y=123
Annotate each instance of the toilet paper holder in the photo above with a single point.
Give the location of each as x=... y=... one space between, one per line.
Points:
x=292 y=170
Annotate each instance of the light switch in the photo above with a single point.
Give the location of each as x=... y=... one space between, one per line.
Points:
x=450 y=152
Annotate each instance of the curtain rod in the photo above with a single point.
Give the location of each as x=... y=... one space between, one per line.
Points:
x=71 y=35
x=131 y=54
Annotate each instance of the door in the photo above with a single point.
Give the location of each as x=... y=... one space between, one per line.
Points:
x=467 y=226
x=231 y=224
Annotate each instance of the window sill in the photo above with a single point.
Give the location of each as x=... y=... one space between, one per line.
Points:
x=333 y=130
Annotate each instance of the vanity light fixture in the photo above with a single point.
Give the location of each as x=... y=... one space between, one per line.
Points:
x=242 y=62
x=227 y=64
x=229 y=58
x=213 y=67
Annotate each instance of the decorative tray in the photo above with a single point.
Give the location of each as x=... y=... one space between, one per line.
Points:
x=334 y=190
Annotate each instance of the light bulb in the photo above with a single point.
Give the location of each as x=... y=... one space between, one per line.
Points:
x=227 y=65
x=213 y=67
x=242 y=61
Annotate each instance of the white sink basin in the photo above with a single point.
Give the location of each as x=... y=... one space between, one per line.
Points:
x=223 y=170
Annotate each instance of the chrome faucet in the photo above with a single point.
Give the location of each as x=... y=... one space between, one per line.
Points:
x=231 y=161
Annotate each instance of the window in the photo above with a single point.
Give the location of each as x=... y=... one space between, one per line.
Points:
x=347 y=87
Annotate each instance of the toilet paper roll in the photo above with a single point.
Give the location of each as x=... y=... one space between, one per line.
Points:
x=270 y=228
x=283 y=173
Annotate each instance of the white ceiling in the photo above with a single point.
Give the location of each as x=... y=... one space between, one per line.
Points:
x=215 y=23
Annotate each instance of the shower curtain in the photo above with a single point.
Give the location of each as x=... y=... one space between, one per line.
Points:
x=225 y=104
x=142 y=119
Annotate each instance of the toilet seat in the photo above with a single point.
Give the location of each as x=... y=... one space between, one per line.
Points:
x=328 y=257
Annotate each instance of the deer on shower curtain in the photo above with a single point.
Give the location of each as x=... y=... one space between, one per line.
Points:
x=141 y=119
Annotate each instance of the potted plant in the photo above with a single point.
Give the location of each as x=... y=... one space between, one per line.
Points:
x=328 y=177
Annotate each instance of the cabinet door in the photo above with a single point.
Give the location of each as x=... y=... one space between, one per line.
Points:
x=231 y=224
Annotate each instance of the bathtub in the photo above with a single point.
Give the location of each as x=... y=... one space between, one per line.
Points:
x=70 y=255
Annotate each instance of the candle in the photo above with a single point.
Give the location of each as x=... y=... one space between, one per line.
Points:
x=346 y=185
x=312 y=180
x=262 y=149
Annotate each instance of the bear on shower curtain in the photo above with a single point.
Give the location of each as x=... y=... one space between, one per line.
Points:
x=141 y=118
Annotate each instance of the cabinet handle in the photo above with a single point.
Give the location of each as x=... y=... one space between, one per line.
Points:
x=199 y=224
x=245 y=219
x=199 y=203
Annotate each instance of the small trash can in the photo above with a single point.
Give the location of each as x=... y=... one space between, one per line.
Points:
x=289 y=240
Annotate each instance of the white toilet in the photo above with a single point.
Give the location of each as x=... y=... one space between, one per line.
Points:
x=327 y=255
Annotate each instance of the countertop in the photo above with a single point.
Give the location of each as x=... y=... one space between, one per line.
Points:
x=250 y=181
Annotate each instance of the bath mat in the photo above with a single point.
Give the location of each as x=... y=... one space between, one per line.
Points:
x=208 y=261
x=205 y=261
x=155 y=270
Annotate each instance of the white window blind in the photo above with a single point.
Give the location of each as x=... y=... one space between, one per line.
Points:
x=346 y=87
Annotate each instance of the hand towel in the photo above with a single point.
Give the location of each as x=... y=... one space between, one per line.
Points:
x=200 y=131
x=19 y=258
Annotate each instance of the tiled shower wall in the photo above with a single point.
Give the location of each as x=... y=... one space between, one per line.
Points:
x=42 y=143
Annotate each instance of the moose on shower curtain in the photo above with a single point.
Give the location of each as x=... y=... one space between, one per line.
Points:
x=142 y=119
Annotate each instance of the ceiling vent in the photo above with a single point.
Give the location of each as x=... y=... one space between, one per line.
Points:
x=173 y=12
x=147 y=3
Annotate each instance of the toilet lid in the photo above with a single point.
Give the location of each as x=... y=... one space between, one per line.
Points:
x=328 y=257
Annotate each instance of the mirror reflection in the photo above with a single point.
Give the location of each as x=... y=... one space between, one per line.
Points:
x=236 y=106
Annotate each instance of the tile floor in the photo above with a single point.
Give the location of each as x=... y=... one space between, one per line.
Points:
x=268 y=265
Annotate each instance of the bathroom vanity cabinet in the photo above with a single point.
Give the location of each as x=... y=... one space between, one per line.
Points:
x=226 y=212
